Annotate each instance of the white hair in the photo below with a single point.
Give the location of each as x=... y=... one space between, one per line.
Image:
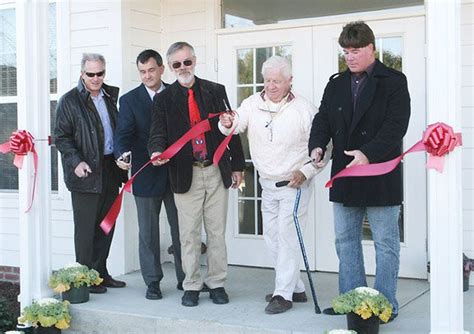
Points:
x=91 y=57
x=278 y=63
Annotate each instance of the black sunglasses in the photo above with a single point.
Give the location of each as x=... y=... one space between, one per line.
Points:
x=98 y=74
x=177 y=64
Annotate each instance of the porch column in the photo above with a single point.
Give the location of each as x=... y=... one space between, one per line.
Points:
x=444 y=190
x=34 y=116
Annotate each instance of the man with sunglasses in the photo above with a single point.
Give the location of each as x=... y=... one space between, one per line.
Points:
x=85 y=121
x=200 y=189
x=151 y=186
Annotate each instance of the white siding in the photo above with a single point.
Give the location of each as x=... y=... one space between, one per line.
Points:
x=467 y=105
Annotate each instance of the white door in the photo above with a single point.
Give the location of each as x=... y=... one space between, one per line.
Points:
x=315 y=56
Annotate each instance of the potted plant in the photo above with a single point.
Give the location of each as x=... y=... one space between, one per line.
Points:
x=47 y=315
x=73 y=282
x=364 y=307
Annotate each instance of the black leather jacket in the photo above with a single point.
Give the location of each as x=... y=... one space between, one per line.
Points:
x=79 y=136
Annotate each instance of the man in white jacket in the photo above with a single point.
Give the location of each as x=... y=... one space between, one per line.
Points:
x=278 y=125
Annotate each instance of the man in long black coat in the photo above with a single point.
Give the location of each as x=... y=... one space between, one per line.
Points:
x=365 y=111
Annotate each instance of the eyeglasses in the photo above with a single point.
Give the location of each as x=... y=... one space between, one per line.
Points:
x=177 y=64
x=98 y=74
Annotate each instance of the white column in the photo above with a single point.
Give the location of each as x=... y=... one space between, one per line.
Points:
x=444 y=190
x=34 y=116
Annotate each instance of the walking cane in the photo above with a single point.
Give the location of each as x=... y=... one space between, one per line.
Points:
x=300 y=238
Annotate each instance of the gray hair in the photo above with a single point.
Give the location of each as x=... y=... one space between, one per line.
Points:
x=176 y=47
x=278 y=63
x=91 y=57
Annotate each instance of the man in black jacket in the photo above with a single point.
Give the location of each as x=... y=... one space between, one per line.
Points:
x=365 y=111
x=85 y=120
x=200 y=189
x=151 y=186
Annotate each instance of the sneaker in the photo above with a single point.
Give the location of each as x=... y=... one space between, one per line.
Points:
x=190 y=298
x=218 y=296
x=153 y=291
x=278 y=304
x=298 y=297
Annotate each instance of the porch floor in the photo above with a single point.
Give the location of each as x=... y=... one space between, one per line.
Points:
x=127 y=311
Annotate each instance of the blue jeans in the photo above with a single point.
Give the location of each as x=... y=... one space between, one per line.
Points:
x=386 y=235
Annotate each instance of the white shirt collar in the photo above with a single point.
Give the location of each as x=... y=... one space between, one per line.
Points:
x=152 y=93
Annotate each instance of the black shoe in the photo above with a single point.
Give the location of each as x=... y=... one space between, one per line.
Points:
x=190 y=298
x=205 y=288
x=298 y=297
x=219 y=296
x=153 y=291
x=179 y=286
x=392 y=317
x=97 y=289
x=330 y=311
x=278 y=304
x=112 y=283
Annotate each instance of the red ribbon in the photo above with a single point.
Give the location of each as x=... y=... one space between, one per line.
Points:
x=109 y=220
x=20 y=144
x=438 y=140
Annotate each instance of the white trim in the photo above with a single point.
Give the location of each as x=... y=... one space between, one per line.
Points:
x=445 y=189
x=386 y=14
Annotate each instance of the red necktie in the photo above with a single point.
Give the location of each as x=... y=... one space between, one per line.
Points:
x=199 y=142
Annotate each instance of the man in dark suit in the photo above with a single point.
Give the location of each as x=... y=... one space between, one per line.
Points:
x=365 y=111
x=151 y=186
x=200 y=189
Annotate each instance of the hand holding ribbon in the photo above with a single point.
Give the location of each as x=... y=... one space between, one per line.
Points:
x=438 y=140
x=21 y=143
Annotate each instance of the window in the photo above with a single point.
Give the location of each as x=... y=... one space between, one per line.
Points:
x=8 y=93
x=247 y=13
x=250 y=81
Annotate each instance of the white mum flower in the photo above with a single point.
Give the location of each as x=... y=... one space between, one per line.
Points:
x=46 y=301
x=14 y=332
x=340 y=331
x=367 y=290
x=72 y=265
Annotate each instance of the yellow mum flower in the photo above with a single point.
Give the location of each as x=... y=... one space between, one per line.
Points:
x=61 y=287
x=62 y=324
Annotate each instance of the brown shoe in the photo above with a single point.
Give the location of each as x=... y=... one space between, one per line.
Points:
x=298 y=297
x=113 y=283
x=278 y=304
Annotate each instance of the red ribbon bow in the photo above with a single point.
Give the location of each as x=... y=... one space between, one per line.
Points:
x=21 y=143
x=438 y=140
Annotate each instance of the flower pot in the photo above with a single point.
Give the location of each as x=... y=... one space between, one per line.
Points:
x=76 y=295
x=25 y=328
x=361 y=326
x=47 y=330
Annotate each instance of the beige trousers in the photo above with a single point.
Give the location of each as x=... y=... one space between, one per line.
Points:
x=206 y=201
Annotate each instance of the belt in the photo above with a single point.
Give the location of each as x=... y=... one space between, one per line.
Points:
x=202 y=164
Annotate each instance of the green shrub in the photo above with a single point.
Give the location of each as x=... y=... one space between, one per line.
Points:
x=7 y=319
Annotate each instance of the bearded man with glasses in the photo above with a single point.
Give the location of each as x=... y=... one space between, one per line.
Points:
x=85 y=121
x=200 y=189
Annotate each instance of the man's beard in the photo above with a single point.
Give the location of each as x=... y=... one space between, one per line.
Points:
x=185 y=78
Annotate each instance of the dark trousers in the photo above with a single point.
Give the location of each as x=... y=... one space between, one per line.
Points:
x=92 y=245
x=148 y=209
